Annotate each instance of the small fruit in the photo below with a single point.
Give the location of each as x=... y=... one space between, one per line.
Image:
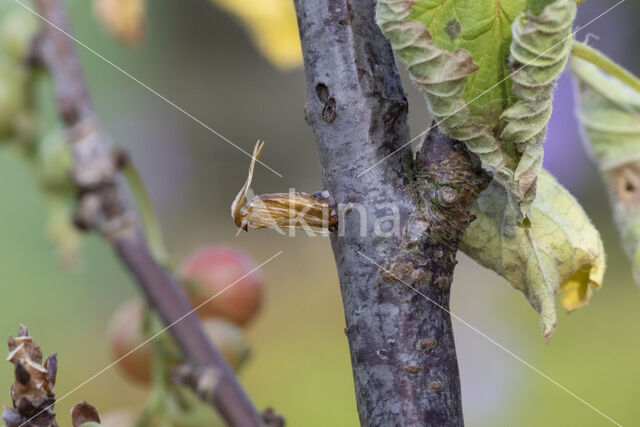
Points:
x=12 y=96
x=126 y=332
x=229 y=339
x=19 y=26
x=54 y=161
x=60 y=229
x=225 y=280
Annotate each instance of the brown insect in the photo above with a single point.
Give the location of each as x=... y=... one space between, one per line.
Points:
x=281 y=210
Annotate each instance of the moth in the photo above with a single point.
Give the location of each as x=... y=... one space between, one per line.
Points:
x=282 y=210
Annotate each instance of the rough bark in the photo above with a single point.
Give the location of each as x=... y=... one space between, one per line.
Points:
x=101 y=208
x=395 y=289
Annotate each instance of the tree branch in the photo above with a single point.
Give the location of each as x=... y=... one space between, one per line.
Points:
x=101 y=207
x=395 y=288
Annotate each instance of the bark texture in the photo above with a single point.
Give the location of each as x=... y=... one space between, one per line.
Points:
x=395 y=288
x=102 y=208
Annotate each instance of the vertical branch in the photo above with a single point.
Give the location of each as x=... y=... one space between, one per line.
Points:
x=101 y=208
x=394 y=283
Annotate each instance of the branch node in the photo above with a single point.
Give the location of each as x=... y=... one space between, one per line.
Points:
x=272 y=419
x=435 y=386
x=412 y=369
x=426 y=344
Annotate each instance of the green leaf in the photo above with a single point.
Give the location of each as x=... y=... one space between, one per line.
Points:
x=461 y=52
x=488 y=69
x=561 y=251
x=482 y=28
x=610 y=115
x=539 y=52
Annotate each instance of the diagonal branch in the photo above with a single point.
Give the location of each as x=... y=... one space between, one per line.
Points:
x=401 y=343
x=102 y=208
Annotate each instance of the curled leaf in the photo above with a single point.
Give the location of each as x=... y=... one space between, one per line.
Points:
x=124 y=19
x=539 y=52
x=274 y=28
x=281 y=210
x=560 y=252
x=457 y=50
x=609 y=112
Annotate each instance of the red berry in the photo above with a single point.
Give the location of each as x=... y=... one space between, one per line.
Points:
x=126 y=332
x=229 y=339
x=210 y=270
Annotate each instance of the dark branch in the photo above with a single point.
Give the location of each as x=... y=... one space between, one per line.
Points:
x=101 y=208
x=399 y=330
x=202 y=382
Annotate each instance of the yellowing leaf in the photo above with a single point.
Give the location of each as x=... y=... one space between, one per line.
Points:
x=274 y=28
x=488 y=70
x=561 y=251
x=124 y=19
x=610 y=115
x=485 y=87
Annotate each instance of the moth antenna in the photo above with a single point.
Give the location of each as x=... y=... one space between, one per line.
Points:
x=591 y=36
x=238 y=202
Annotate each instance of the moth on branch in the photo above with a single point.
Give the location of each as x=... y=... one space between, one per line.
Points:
x=282 y=210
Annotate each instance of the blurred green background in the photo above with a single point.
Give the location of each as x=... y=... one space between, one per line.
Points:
x=202 y=59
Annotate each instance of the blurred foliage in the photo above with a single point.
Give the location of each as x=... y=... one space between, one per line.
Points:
x=124 y=19
x=273 y=27
x=202 y=60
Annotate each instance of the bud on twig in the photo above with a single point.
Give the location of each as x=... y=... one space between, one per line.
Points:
x=32 y=391
x=83 y=413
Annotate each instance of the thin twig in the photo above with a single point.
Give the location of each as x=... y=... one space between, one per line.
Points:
x=101 y=207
